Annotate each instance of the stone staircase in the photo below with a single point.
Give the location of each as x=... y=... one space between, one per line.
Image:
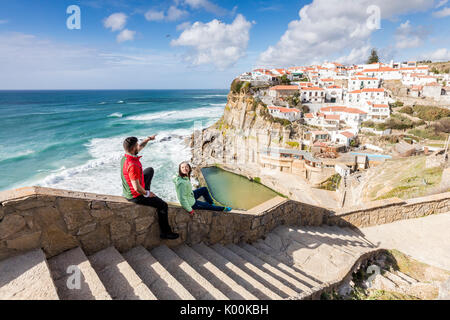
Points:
x=289 y=263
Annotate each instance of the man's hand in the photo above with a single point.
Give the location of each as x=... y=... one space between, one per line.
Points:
x=145 y=141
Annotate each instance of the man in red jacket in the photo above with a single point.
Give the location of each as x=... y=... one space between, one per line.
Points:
x=136 y=184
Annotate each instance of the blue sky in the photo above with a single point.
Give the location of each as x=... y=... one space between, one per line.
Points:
x=204 y=43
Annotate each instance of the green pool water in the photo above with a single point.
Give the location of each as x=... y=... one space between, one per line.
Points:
x=235 y=191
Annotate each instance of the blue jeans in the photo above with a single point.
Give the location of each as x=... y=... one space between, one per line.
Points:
x=201 y=205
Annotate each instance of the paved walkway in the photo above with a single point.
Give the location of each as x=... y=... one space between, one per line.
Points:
x=426 y=239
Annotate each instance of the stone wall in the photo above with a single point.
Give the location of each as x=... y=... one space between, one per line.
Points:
x=387 y=211
x=59 y=220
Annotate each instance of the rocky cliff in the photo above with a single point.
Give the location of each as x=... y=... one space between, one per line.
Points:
x=245 y=128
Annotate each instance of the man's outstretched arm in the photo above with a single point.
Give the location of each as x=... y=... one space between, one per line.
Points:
x=143 y=144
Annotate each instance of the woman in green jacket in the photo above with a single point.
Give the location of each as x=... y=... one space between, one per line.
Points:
x=189 y=198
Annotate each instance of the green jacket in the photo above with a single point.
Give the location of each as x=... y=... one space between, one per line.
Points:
x=184 y=192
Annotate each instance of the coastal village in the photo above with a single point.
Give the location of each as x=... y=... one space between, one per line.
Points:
x=350 y=118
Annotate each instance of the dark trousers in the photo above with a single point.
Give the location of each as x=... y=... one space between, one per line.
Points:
x=201 y=205
x=155 y=202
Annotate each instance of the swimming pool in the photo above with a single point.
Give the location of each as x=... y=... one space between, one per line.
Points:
x=372 y=156
x=234 y=190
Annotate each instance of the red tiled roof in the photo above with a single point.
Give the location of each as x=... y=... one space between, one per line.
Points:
x=284 y=88
x=380 y=106
x=309 y=115
x=347 y=134
x=283 y=110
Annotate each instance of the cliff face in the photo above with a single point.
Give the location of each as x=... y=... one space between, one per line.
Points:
x=245 y=128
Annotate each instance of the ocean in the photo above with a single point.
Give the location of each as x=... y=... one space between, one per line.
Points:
x=73 y=139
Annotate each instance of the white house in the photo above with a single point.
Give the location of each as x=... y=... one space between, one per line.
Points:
x=377 y=112
x=290 y=114
x=312 y=94
x=282 y=91
x=376 y=95
x=344 y=137
x=417 y=79
x=384 y=73
x=352 y=117
x=357 y=83
x=334 y=93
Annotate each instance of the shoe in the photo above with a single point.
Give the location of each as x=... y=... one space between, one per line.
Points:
x=169 y=235
x=227 y=209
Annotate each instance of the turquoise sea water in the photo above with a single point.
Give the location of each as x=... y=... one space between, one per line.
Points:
x=73 y=139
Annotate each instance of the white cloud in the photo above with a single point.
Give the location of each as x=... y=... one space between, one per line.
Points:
x=116 y=21
x=183 y=26
x=409 y=37
x=153 y=15
x=215 y=42
x=332 y=28
x=445 y=12
x=441 y=3
x=355 y=56
x=126 y=35
x=442 y=54
x=207 y=5
x=174 y=13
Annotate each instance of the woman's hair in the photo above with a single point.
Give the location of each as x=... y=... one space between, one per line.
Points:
x=182 y=174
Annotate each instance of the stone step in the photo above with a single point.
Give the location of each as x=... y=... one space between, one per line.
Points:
x=286 y=259
x=119 y=279
x=395 y=279
x=333 y=238
x=217 y=277
x=281 y=276
x=266 y=279
x=236 y=273
x=360 y=236
x=66 y=267
x=307 y=283
x=197 y=285
x=316 y=254
x=353 y=242
x=155 y=276
x=405 y=277
x=27 y=277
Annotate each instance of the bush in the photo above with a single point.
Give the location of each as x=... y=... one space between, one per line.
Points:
x=293 y=144
x=442 y=126
x=236 y=86
x=368 y=124
x=396 y=104
x=283 y=122
x=305 y=109
x=429 y=113
x=407 y=110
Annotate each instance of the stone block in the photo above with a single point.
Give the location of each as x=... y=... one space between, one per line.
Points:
x=119 y=229
x=101 y=214
x=256 y=222
x=55 y=241
x=76 y=219
x=2 y=212
x=65 y=205
x=142 y=224
x=24 y=204
x=10 y=225
x=46 y=216
x=182 y=217
x=95 y=241
x=125 y=244
x=25 y=242
x=86 y=229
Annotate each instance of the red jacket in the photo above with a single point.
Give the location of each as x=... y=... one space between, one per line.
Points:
x=131 y=170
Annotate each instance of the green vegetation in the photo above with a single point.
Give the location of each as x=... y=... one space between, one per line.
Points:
x=283 y=122
x=373 y=57
x=284 y=79
x=293 y=144
x=427 y=133
x=257 y=180
x=332 y=183
x=305 y=109
x=396 y=104
x=430 y=113
x=413 y=179
x=238 y=86
x=408 y=110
